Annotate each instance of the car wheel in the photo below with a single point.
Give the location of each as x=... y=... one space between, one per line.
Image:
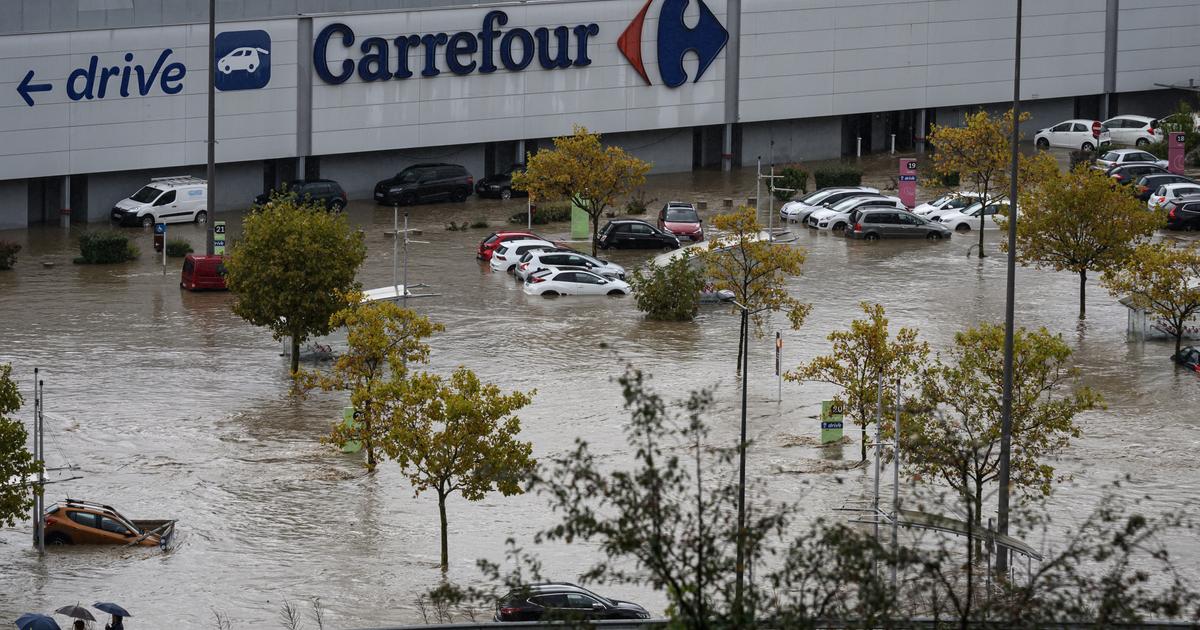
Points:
x=616 y=292
x=872 y=237
x=506 y=193
x=1088 y=146
x=57 y=538
x=1141 y=142
x=962 y=227
x=1042 y=144
x=934 y=236
x=337 y=205
x=460 y=196
x=408 y=199
x=201 y=217
x=148 y=220
x=838 y=227
x=550 y=294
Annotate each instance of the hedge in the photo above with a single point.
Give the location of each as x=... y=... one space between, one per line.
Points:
x=105 y=247
x=842 y=175
x=8 y=254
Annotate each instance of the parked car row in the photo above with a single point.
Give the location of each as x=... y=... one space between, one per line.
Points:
x=550 y=270
x=1081 y=133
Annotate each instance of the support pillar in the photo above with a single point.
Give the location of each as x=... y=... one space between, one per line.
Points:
x=64 y=209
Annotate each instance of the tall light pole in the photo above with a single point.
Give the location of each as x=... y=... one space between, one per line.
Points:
x=738 y=603
x=1009 y=297
x=211 y=174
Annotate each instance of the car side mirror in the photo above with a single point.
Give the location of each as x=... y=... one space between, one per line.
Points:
x=597 y=607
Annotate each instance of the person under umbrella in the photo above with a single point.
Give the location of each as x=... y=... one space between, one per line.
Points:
x=34 y=621
x=118 y=614
x=79 y=613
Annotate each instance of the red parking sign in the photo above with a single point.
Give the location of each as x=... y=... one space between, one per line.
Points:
x=1096 y=126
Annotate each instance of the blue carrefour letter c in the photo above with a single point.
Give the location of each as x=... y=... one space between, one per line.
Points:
x=321 y=65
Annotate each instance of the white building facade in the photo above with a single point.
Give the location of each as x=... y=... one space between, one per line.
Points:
x=97 y=96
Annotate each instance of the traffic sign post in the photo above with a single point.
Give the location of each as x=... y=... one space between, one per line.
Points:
x=1176 y=142
x=160 y=243
x=779 y=362
x=908 y=182
x=219 y=238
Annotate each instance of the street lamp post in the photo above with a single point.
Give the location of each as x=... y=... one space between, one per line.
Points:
x=211 y=173
x=738 y=604
x=1009 y=296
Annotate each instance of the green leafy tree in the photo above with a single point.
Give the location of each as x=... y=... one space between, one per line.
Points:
x=979 y=153
x=794 y=179
x=1081 y=221
x=383 y=340
x=16 y=462
x=861 y=356
x=756 y=269
x=965 y=396
x=582 y=170
x=1162 y=280
x=293 y=269
x=669 y=292
x=459 y=435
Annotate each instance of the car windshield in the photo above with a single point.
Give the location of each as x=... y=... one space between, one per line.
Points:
x=682 y=215
x=810 y=196
x=146 y=194
x=1111 y=156
x=407 y=177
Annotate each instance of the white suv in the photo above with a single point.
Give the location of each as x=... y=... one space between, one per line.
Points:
x=538 y=260
x=165 y=200
x=1137 y=131
x=506 y=257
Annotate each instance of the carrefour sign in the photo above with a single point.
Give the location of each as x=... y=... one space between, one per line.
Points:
x=498 y=46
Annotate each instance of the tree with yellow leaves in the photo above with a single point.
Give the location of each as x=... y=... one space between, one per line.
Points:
x=583 y=171
x=861 y=356
x=384 y=340
x=744 y=260
x=1163 y=280
x=1081 y=221
x=980 y=153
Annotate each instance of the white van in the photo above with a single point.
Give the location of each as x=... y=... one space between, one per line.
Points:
x=165 y=200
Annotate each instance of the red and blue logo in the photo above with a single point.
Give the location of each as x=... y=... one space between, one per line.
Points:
x=675 y=39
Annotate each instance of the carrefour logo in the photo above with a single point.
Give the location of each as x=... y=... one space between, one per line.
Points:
x=675 y=39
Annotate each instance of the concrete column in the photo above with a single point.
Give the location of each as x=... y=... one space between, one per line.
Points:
x=733 y=57
x=1113 y=10
x=304 y=86
x=920 y=130
x=64 y=209
x=520 y=158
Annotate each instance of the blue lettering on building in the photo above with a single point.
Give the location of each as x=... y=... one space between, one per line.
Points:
x=459 y=53
x=96 y=81
x=676 y=38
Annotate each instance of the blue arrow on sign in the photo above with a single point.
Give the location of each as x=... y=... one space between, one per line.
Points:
x=26 y=87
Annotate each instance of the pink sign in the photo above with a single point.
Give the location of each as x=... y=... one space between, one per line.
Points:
x=908 y=182
x=1175 y=150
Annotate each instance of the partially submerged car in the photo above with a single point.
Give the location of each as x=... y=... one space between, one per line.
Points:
x=1188 y=357
x=75 y=522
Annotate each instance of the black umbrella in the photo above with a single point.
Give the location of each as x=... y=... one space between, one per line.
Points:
x=78 y=612
x=111 y=609
x=34 y=621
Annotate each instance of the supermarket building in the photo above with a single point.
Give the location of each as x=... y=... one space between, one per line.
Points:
x=98 y=96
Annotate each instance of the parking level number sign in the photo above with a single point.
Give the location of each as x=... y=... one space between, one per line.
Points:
x=832 y=415
x=219 y=238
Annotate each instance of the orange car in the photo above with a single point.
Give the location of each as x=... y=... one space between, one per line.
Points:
x=74 y=522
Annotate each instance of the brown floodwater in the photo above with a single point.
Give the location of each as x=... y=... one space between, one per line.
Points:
x=169 y=406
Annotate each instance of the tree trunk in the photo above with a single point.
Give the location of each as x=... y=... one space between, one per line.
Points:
x=295 y=353
x=1178 y=337
x=741 y=345
x=595 y=218
x=368 y=443
x=445 y=547
x=978 y=520
x=1083 y=294
x=981 y=220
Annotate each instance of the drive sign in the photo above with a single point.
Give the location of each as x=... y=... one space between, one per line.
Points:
x=1096 y=126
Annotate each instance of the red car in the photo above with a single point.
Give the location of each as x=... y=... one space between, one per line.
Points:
x=489 y=244
x=203 y=272
x=680 y=218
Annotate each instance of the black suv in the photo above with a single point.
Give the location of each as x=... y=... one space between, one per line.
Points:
x=325 y=191
x=500 y=184
x=425 y=182
x=561 y=600
x=1184 y=216
x=1129 y=173
x=634 y=234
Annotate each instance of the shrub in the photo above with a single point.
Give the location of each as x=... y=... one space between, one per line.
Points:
x=8 y=254
x=638 y=203
x=105 y=247
x=949 y=180
x=479 y=223
x=1079 y=156
x=550 y=212
x=670 y=293
x=794 y=178
x=840 y=175
x=178 y=248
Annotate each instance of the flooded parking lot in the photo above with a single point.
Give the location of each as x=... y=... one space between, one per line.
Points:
x=172 y=407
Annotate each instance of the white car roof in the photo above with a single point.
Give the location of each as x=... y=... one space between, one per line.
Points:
x=554 y=271
x=1174 y=185
x=525 y=241
x=850 y=201
x=1126 y=151
x=1136 y=117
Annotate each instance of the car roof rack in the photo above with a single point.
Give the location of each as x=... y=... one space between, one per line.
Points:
x=91 y=504
x=177 y=179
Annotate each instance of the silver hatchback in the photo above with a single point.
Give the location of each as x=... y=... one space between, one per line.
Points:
x=875 y=223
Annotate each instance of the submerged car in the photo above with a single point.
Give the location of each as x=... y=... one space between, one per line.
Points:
x=75 y=522
x=681 y=219
x=550 y=282
x=1188 y=357
x=500 y=185
x=562 y=600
